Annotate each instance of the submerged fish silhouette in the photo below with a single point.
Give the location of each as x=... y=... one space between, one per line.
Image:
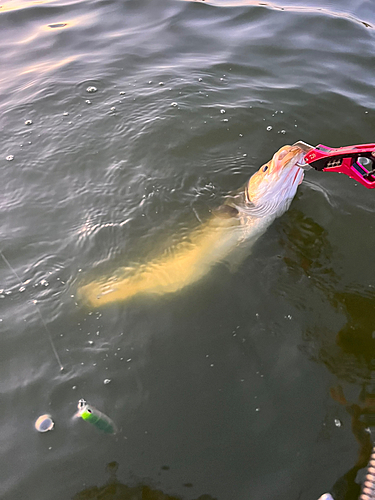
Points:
x=244 y=218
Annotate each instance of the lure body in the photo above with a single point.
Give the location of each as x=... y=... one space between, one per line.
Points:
x=95 y=417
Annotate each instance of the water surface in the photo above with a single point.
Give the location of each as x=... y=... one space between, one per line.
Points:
x=222 y=389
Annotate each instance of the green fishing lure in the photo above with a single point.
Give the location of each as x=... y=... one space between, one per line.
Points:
x=95 y=417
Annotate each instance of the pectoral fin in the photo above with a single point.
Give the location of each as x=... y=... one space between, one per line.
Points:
x=225 y=212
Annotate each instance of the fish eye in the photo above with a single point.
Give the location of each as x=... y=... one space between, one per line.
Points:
x=89 y=410
x=264 y=168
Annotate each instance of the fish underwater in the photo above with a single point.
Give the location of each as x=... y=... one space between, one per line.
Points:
x=238 y=223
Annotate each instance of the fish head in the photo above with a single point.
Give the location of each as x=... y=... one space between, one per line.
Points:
x=275 y=183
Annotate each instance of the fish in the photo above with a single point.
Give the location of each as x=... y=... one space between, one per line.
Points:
x=95 y=417
x=237 y=224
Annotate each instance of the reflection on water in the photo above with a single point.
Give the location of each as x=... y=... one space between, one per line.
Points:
x=353 y=356
x=357 y=337
x=346 y=346
x=115 y=490
x=348 y=486
x=308 y=251
x=349 y=350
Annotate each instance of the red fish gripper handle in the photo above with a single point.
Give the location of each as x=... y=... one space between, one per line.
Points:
x=357 y=162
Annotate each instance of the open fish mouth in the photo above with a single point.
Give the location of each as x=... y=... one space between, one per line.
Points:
x=297 y=170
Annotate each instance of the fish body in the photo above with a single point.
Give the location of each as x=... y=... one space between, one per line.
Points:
x=241 y=220
x=95 y=417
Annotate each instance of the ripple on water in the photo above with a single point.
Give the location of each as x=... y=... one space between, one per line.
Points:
x=194 y=88
x=95 y=88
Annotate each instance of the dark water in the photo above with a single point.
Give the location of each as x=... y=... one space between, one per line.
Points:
x=223 y=389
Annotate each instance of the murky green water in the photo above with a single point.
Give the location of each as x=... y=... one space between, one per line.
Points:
x=224 y=388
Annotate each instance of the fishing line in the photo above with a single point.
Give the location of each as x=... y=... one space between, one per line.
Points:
x=48 y=333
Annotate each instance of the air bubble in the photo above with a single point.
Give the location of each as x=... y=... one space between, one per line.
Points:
x=88 y=101
x=106 y=381
x=28 y=122
x=174 y=104
x=269 y=128
x=222 y=111
x=10 y=157
x=91 y=89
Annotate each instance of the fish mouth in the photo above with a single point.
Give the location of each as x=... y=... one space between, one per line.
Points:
x=288 y=163
x=288 y=173
x=287 y=158
x=296 y=171
x=298 y=176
